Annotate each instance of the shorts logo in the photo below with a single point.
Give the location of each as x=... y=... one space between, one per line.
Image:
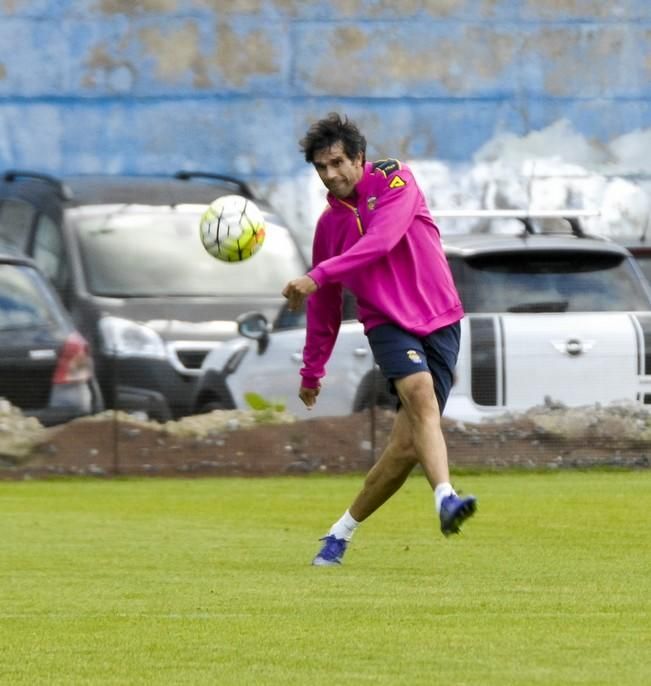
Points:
x=414 y=357
x=371 y=202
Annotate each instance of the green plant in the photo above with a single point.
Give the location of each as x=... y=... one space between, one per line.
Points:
x=256 y=402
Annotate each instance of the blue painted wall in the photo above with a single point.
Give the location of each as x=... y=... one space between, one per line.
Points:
x=156 y=85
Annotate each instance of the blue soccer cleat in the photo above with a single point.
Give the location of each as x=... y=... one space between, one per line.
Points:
x=331 y=553
x=454 y=512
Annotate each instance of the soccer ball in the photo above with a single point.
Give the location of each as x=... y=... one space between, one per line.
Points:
x=232 y=228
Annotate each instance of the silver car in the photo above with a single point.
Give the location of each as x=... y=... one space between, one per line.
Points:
x=551 y=314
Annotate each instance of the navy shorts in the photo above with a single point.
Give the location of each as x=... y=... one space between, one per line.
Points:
x=399 y=354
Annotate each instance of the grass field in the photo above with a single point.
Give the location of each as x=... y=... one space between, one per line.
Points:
x=208 y=582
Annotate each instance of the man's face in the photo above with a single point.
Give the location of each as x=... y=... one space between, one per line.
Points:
x=338 y=172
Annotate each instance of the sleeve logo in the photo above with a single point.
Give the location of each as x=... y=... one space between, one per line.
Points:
x=397 y=182
x=386 y=167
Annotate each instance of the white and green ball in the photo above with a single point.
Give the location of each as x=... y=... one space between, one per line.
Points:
x=232 y=228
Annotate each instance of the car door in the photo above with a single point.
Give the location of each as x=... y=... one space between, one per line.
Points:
x=579 y=360
x=274 y=373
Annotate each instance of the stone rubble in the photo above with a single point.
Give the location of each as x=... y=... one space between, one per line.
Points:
x=549 y=435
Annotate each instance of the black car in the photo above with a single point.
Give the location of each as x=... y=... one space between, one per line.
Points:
x=125 y=256
x=45 y=365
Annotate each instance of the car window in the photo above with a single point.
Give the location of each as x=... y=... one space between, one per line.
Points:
x=133 y=253
x=541 y=281
x=287 y=319
x=24 y=303
x=16 y=218
x=48 y=252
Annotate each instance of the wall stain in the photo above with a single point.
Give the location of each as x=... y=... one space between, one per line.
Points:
x=3 y=71
x=11 y=6
x=563 y=52
x=458 y=63
x=224 y=7
x=131 y=7
x=105 y=71
x=562 y=9
x=237 y=57
x=443 y=8
x=185 y=57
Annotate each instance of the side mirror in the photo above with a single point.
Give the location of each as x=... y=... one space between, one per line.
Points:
x=254 y=325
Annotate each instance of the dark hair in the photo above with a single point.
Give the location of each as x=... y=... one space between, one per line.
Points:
x=330 y=130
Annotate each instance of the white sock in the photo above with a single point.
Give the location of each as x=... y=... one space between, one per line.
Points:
x=443 y=490
x=345 y=527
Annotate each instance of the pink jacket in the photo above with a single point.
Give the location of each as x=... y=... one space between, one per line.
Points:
x=382 y=245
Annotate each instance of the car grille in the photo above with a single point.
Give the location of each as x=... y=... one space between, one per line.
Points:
x=191 y=359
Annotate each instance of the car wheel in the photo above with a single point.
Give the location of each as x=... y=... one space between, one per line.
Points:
x=210 y=406
x=373 y=392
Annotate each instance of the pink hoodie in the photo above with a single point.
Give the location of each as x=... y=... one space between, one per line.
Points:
x=382 y=245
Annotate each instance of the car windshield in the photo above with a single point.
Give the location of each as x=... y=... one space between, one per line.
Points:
x=24 y=304
x=288 y=319
x=570 y=281
x=134 y=252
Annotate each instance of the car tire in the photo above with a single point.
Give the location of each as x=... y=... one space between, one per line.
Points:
x=211 y=406
x=373 y=391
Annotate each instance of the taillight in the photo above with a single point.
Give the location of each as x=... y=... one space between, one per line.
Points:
x=74 y=364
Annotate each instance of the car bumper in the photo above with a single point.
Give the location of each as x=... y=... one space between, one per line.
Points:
x=153 y=387
x=66 y=402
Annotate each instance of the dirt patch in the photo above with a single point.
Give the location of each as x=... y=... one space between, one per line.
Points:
x=249 y=443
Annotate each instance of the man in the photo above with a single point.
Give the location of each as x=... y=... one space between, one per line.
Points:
x=377 y=238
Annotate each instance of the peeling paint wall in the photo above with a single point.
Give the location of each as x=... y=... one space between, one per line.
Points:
x=154 y=85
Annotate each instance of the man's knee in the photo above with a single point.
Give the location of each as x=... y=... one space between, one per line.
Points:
x=417 y=395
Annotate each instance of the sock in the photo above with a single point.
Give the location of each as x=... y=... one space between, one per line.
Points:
x=443 y=490
x=345 y=527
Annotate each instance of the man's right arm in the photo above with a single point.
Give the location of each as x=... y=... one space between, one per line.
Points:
x=323 y=321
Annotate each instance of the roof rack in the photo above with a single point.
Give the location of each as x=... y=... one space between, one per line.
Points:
x=525 y=216
x=63 y=191
x=517 y=214
x=244 y=188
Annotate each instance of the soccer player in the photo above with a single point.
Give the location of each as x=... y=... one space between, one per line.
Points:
x=377 y=238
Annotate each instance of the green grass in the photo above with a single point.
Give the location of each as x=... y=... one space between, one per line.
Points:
x=208 y=582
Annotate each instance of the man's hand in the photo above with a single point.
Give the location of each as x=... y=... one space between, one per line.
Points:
x=297 y=290
x=308 y=396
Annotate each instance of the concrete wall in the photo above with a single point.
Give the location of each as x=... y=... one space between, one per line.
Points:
x=156 y=85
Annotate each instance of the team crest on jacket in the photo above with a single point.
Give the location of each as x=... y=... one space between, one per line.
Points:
x=371 y=202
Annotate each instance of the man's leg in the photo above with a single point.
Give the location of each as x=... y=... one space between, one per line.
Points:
x=390 y=471
x=416 y=437
x=418 y=398
x=382 y=481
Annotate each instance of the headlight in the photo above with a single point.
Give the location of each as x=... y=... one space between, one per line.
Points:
x=125 y=338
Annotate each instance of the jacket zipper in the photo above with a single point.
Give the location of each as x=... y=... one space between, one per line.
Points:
x=360 y=228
